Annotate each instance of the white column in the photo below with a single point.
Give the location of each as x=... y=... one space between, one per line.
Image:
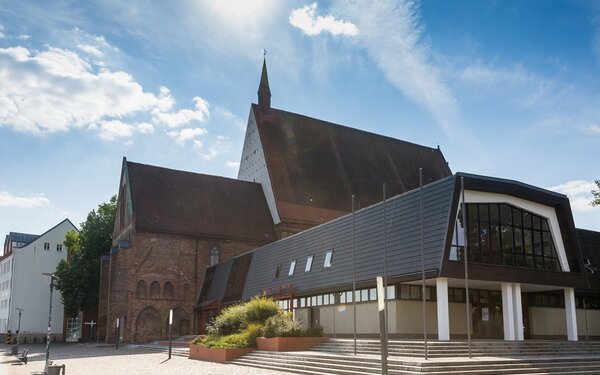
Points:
x=571 y=314
x=508 y=315
x=518 y=311
x=443 y=314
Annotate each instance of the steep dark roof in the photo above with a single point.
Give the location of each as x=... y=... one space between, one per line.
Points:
x=170 y=201
x=314 y=163
x=23 y=237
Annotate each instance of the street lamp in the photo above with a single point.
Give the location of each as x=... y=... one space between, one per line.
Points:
x=52 y=278
x=19 y=327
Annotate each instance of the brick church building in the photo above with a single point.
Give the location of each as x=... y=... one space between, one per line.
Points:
x=296 y=172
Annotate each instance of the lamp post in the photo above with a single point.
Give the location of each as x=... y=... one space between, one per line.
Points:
x=19 y=327
x=52 y=277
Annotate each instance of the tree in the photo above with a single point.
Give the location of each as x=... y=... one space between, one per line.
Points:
x=596 y=194
x=79 y=276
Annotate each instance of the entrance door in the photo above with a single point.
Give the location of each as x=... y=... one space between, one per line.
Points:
x=315 y=316
x=486 y=314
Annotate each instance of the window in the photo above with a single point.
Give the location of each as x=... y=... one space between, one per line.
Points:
x=499 y=233
x=278 y=271
x=328 y=256
x=46 y=245
x=308 y=263
x=155 y=290
x=413 y=292
x=215 y=252
x=58 y=247
x=292 y=268
x=142 y=289
x=168 y=290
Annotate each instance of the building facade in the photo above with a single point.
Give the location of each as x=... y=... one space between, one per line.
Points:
x=194 y=243
x=524 y=266
x=25 y=287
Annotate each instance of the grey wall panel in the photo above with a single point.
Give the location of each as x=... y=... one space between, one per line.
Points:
x=219 y=282
x=403 y=244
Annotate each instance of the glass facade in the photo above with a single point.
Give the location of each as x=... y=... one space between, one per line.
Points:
x=499 y=233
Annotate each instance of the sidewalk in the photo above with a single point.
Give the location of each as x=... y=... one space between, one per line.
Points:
x=91 y=359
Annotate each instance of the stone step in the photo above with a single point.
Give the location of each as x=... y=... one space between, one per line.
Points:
x=317 y=363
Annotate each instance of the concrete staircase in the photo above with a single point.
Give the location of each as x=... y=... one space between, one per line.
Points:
x=490 y=357
x=437 y=349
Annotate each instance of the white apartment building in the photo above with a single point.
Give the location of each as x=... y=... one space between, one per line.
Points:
x=23 y=285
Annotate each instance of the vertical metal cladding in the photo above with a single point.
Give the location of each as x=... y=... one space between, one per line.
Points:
x=403 y=243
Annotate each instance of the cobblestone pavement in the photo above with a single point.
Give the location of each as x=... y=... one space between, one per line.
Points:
x=86 y=359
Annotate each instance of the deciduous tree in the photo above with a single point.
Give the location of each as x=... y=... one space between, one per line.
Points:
x=79 y=276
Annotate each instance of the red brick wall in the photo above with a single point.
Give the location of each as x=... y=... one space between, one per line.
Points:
x=158 y=258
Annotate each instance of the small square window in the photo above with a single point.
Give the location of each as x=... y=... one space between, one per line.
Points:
x=309 y=261
x=372 y=294
x=391 y=292
x=292 y=268
x=278 y=271
x=328 y=256
x=46 y=245
x=364 y=295
x=58 y=247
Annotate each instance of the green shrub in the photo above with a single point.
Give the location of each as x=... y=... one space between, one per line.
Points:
x=259 y=309
x=231 y=320
x=197 y=339
x=253 y=331
x=314 y=332
x=233 y=341
x=282 y=326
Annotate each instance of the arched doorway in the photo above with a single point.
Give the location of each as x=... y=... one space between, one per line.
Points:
x=148 y=326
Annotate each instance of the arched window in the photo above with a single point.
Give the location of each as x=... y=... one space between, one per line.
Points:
x=142 y=289
x=168 y=290
x=155 y=290
x=215 y=252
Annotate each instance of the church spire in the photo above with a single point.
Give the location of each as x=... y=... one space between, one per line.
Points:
x=264 y=92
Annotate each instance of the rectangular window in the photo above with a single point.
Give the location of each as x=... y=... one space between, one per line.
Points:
x=58 y=247
x=328 y=256
x=46 y=245
x=308 y=263
x=278 y=271
x=391 y=292
x=364 y=295
x=292 y=268
x=372 y=294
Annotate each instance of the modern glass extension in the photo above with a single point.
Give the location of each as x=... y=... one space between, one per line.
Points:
x=500 y=233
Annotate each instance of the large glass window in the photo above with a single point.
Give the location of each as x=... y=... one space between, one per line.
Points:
x=498 y=233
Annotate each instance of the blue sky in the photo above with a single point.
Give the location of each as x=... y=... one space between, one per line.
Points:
x=505 y=88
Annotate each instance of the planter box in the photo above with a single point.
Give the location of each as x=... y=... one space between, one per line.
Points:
x=287 y=344
x=202 y=353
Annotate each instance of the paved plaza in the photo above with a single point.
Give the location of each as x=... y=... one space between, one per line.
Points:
x=85 y=359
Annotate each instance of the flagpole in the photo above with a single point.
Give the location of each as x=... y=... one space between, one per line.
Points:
x=466 y=252
x=353 y=275
x=424 y=295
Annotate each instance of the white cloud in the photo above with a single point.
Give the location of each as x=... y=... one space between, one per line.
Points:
x=23 y=37
x=306 y=20
x=593 y=129
x=115 y=129
x=145 y=128
x=9 y=200
x=392 y=34
x=90 y=50
x=579 y=193
x=57 y=90
x=187 y=134
x=219 y=146
x=233 y=164
x=183 y=116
